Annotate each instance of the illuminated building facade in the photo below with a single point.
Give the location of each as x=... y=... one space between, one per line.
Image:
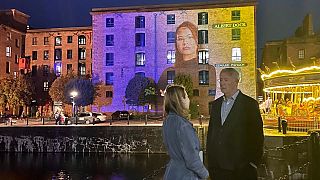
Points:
x=143 y=41
x=13 y=25
x=57 y=51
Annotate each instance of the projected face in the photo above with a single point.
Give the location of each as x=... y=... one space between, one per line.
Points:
x=186 y=43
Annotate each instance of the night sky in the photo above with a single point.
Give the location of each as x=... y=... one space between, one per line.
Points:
x=276 y=19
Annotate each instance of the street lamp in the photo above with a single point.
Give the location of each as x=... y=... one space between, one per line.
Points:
x=73 y=95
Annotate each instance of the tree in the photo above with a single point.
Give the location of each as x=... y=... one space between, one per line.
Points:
x=84 y=87
x=56 y=90
x=135 y=87
x=148 y=94
x=15 y=92
x=186 y=81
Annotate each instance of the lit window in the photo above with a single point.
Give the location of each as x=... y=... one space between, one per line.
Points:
x=57 y=54
x=140 y=40
x=82 y=69
x=109 y=40
x=8 y=51
x=235 y=15
x=82 y=53
x=46 y=55
x=109 y=59
x=203 y=77
x=82 y=40
x=202 y=18
x=171 y=19
x=236 y=54
x=203 y=56
x=109 y=78
x=170 y=77
x=203 y=36
x=45 y=86
x=171 y=37
x=15 y=74
x=301 y=53
x=57 y=68
x=171 y=56
x=235 y=34
x=140 y=22
x=58 y=41
x=140 y=59
x=109 y=22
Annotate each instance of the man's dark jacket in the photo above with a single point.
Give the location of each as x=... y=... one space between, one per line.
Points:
x=239 y=140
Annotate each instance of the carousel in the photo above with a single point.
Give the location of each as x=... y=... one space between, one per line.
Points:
x=293 y=93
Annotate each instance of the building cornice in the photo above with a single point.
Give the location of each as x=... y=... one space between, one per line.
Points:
x=87 y=28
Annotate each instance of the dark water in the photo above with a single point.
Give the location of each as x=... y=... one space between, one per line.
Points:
x=27 y=166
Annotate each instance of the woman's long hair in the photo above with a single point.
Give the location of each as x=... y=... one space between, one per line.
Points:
x=194 y=30
x=173 y=100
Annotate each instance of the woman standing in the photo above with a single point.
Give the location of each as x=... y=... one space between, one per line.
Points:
x=180 y=138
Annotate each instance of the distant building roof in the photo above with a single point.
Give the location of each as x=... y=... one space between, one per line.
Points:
x=60 y=29
x=14 y=19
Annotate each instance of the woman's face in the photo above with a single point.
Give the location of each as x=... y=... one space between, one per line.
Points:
x=186 y=43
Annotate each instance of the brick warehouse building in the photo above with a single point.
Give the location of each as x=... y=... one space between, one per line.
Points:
x=13 y=25
x=54 y=52
x=129 y=41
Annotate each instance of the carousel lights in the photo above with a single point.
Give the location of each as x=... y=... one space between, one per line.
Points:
x=289 y=86
x=287 y=92
x=311 y=99
x=274 y=73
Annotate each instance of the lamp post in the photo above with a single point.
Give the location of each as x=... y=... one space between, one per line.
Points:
x=73 y=95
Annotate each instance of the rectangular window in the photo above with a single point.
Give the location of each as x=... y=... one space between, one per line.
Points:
x=109 y=40
x=195 y=92
x=109 y=94
x=140 y=39
x=171 y=19
x=140 y=22
x=236 y=54
x=211 y=92
x=69 y=54
x=69 y=68
x=109 y=78
x=69 y=39
x=170 y=77
x=58 y=68
x=301 y=53
x=8 y=67
x=45 y=40
x=45 y=86
x=109 y=59
x=82 y=53
x=34 y=71
x=8 y=36
x=8 y=51
x=16 y=59
x=82 y=40
x=202 y=18
x=203 y=36
x=171 y=56
x=45 y=70
x=57 y=54
x=82 y=69
x=34 y=55
x=171 y=37
x=109 y=22
x=58 y=41
x=15 y=74
x=34 y=41
x=235 y=15
x=140 y=59
x=203 y=56
x=235 y=34
x=17 y=43
x=203 y=77
x=46 y=54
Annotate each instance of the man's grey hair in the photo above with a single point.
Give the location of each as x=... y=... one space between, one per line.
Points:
x=233 y=72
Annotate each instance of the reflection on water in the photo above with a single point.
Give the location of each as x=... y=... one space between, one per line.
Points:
x=27 y=166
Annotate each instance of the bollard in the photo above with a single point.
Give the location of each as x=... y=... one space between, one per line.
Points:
x=110 y=121
x=93 y=121
x=284 y=124
x=128 y=119
x=42 y=120
x=279 y=124
x=200 y=120
x=10 y=121
x=27 y=121
x=314 y=155
x=146 y=120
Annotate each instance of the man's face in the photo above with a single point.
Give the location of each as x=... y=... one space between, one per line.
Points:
x=228 y=84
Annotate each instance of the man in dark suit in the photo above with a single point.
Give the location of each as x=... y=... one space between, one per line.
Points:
x=235 y=134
